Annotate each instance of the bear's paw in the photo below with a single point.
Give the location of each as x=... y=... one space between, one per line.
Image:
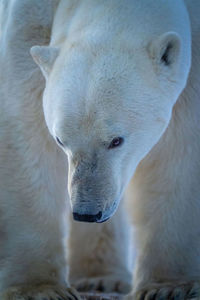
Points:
x=41 y=292
x=105 y=284
x=168 y=291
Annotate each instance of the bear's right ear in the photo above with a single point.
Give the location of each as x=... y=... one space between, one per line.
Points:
x=45 y=57
x=164 y=51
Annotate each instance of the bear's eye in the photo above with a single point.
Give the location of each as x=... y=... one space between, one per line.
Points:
x=116 y=142
x=59 y=141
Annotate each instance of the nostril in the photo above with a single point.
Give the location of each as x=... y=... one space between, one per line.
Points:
x=87 y=218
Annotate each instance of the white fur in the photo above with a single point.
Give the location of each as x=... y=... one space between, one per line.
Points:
x=105 y=78
x=91 y=79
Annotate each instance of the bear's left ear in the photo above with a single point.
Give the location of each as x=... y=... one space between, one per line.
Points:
x=45 y=57
x=165 y=50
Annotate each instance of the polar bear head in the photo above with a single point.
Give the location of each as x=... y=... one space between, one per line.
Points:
x=108 y=100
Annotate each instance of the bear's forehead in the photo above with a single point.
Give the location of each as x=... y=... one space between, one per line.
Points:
x=101 y=78
x=93 y=123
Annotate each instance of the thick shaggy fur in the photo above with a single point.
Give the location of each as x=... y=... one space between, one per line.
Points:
x=110 y=68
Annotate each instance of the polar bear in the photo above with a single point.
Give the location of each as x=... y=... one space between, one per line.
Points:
x=116 y=103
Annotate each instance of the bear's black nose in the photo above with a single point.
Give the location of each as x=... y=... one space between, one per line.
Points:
x=87 y=218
